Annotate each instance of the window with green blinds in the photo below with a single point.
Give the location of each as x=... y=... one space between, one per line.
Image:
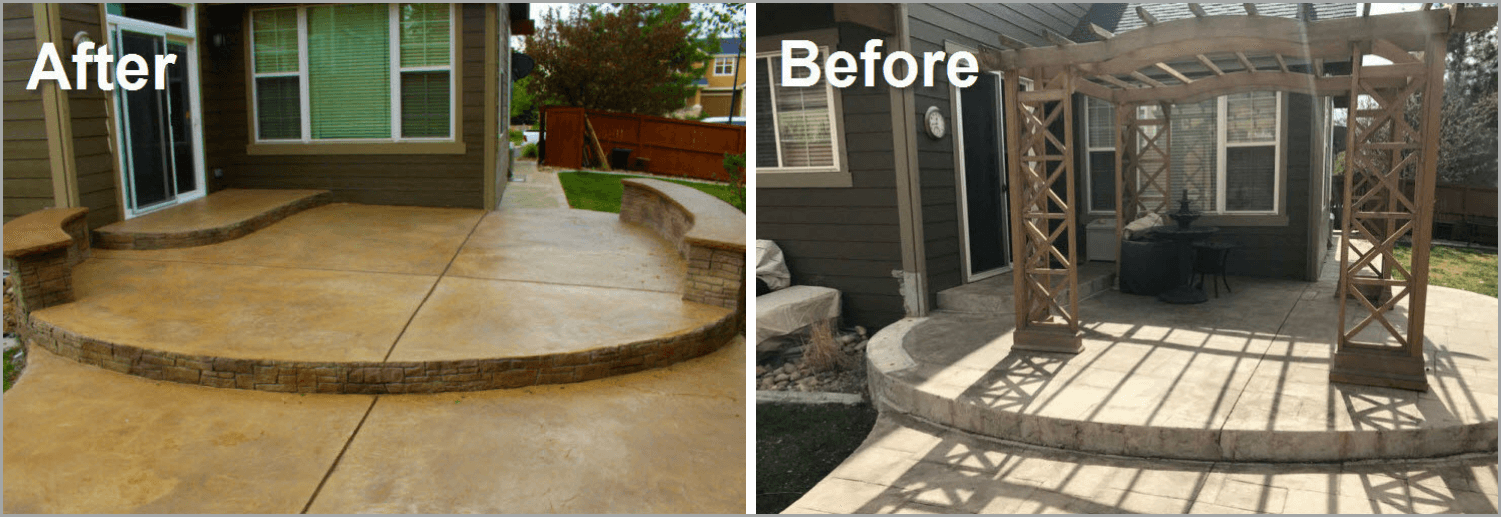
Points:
x=275 y=40
x=349 y=71
x=348 y=88
x=424 y=35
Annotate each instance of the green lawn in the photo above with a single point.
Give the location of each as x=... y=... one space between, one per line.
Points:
x=1460 y=268
x=601 y=192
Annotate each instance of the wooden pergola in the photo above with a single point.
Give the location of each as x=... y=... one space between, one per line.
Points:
x=1198 y=58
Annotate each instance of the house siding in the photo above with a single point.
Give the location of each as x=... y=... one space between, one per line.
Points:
x=93 y=161
x=975 y=26
x=28 y=170
x=846 y=238
x=444 y=180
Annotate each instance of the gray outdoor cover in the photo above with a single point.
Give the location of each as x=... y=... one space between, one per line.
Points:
x=786 y=311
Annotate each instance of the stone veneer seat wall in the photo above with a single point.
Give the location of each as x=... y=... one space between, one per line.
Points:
x=109 y=237
x=709 y=234
x=41 y=249
x=381 y=377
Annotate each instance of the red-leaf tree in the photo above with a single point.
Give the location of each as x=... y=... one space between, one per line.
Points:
x=631 y=58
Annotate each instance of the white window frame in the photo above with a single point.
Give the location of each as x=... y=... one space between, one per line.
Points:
x=304 y=87
x=1220 y=174
x=1090 y=147
x=834 y=127
x=728 y=62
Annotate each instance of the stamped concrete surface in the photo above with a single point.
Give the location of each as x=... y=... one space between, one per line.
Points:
x=581 y=247
x=1242 y=377
x=83 y=440
x=909 y=466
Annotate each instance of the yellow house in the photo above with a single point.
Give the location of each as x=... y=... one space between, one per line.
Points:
x=723 y=76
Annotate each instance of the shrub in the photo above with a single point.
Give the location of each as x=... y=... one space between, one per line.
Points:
x=529 y=151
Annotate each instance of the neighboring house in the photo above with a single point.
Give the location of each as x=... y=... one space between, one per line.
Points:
x=862 y=199
x=379 y=103
x=724 y=75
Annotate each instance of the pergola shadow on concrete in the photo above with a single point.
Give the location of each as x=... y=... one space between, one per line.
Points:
x=1144 y=72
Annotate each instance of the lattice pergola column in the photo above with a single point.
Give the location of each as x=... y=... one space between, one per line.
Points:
x=1378 y=346
x=1042 y=218
x=1143 y=170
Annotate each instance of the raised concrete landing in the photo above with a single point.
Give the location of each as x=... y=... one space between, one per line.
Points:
x=224 y=215
x=82 y=440
x=994 y=295
x=1243 y=377
x=908 y=466
x=380 y=299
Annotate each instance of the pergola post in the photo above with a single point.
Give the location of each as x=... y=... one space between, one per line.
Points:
x=1384 y=147
x=1045 y=277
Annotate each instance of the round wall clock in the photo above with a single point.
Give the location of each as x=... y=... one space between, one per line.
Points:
x=935 y=124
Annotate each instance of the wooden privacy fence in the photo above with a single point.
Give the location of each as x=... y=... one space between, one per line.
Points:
x=1460 y=213
x=658 y=145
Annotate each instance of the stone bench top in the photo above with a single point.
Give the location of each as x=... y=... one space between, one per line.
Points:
x=40 y=231
x=716 y=224
x=221 y=209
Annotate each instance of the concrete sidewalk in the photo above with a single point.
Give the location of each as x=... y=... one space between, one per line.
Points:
x=80 y=439
x=538 y=188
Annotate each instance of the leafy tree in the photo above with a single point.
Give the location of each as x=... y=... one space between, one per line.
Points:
x=631 y=58
x=1467 y=137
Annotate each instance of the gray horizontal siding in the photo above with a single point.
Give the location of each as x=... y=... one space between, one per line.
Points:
x=846 y=238
x=975 y=26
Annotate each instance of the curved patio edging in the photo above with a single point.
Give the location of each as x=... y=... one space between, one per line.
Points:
x=886 y=357
x=109 y=238
x=383 y=377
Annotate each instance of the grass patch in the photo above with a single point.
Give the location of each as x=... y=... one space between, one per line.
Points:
x=1460 y=268
x=798 y=444
x=601 y=192
x=12 y=367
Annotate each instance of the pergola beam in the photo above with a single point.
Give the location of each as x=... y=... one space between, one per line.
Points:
x=1101 y=32
x=1197 y=10
x=1250 y=8
x=1143 y=78
x=1010 y=42
x=1319 y=39
x=1237 y=82
x=1174 y=72
x=1281 y=63
x=1245 y=62
x=1209 y=64
x=1145 y=16
x=1057 y=39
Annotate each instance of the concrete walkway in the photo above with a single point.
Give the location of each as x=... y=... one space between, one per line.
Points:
x=83 y=440
x=538 y=188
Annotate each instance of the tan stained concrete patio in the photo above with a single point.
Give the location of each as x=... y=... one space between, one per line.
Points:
x=342 y=287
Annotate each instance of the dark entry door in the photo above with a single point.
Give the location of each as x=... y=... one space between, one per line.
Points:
x=987 y=230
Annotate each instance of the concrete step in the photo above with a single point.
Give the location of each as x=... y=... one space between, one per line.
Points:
x=994 y=295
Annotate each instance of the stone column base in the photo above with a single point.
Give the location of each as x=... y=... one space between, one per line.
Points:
x=1048 y=340
x=1386 y=369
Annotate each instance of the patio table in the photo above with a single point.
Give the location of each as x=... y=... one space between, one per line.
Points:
x=1183 y=239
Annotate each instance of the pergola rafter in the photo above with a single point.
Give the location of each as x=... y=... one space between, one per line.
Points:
x=1145 y=71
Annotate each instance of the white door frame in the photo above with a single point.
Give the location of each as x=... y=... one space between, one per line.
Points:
x=195 y=102
x=960 y=171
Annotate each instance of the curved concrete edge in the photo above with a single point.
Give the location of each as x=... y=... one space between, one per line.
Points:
x=41 y=249
x=886 y=357
x=381 y=377
x=807 y=397
x=106 y=238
